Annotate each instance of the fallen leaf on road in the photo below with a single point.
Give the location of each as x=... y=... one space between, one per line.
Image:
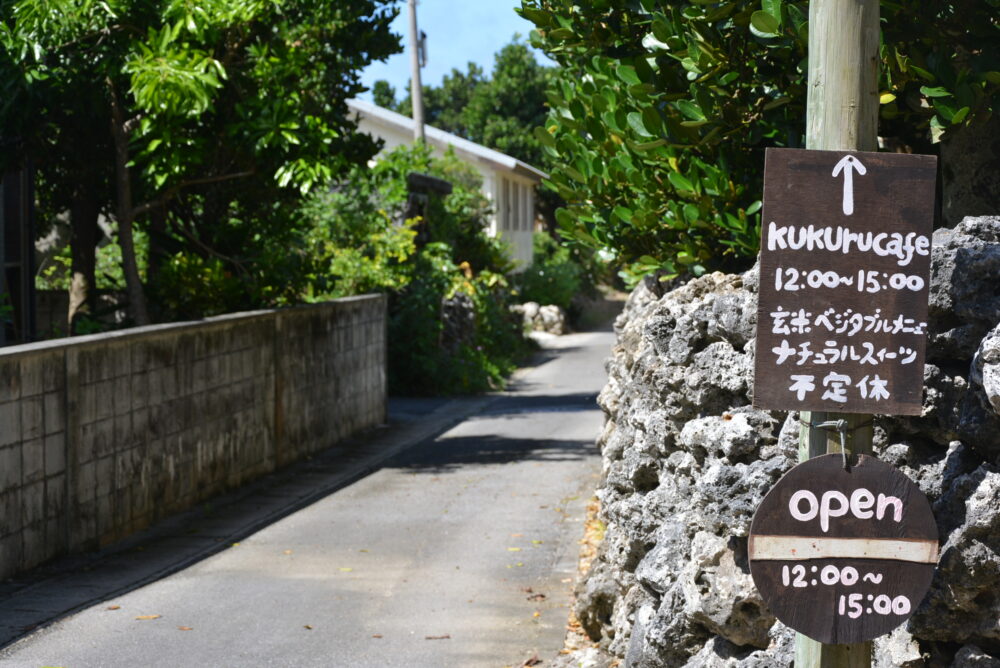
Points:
x=537 y=597
x=287 y=552
x=444 y=637
x=148 y=617
x=537 y=614
x=513 y=549
x=566 y=580
x=236 y=544
x=184 y=628
x=527 y=590
x=114 y=607
x=346 y=569
x=516 y=535
x=362 y=550
x=308 y=627
x=533 y=661
x=376 y=635
x=537 y=542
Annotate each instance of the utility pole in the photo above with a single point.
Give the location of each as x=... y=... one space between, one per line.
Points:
x=416 y=90
x=842 y=114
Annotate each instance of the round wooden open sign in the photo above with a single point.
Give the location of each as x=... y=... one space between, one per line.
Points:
x=843 y=556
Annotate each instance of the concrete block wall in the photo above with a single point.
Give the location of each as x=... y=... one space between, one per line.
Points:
x=102 y=435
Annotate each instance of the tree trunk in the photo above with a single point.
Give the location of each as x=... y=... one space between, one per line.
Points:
x=124 y=212
x=83 y=244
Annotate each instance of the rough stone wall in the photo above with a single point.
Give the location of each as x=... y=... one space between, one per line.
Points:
x=687 y=460
x=102 y=435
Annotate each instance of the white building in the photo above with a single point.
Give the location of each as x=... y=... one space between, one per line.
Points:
x=508 y=183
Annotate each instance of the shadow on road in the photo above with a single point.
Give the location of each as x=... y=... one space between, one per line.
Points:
x=450 y=455
x=40 y=597
x=517 y=404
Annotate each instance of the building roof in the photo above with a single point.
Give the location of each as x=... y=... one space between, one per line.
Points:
x=442 y=139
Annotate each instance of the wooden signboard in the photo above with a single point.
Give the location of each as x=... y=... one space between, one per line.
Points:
x=843 y=555
x=844 y=273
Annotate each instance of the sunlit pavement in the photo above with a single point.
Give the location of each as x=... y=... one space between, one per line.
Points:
x=459 y=550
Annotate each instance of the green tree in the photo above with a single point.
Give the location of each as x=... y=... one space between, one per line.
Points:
x=500 y=111
x=203 y=120
x=445 y=106
x=383 y=94
x=661 y=110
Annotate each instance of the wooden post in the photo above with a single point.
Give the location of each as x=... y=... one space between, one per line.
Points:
x=842 y=114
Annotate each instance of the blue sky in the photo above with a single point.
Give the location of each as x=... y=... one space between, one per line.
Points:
x=458 y=31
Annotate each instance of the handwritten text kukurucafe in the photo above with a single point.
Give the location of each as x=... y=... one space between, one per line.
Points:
x=884 y=244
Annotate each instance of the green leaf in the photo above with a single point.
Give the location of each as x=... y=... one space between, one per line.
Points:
x=564 y=218
x=649 y=145
x=624 y=213
x=628 y=74
x=691 y=110
x=774 y=104
x=922 y=73
x=772 y=7
x=544 y=137
x=636 y=123
x=691 y=212
x=935 y=92
x=960 y=115
x=610 y=121
x=560 y=34
x=680 y=182
x=764 y=23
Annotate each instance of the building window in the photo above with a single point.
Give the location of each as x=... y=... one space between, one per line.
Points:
x=505 y=205
x=516 y=206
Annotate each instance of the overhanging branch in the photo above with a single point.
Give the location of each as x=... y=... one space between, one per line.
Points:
x=173 y=190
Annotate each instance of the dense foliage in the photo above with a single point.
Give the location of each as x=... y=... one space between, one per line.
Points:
x=450 y=329
x=501 y=110
x=661 y=111
x=202 y=122
x=554 y=276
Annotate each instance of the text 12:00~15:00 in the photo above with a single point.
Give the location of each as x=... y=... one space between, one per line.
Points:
x=790 y=279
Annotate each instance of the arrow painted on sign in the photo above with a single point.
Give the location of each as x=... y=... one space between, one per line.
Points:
x=848 y=165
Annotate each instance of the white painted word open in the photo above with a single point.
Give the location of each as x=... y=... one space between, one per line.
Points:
x=836 y=504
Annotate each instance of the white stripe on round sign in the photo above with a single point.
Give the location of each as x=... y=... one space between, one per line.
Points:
x=800 y=548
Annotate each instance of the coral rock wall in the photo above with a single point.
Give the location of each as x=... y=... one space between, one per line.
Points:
x=687 y=460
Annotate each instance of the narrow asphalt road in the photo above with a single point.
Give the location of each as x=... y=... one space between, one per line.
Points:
x=458 y=551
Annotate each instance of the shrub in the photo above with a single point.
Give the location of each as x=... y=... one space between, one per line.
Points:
x=553 y=277
x=356 y=240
